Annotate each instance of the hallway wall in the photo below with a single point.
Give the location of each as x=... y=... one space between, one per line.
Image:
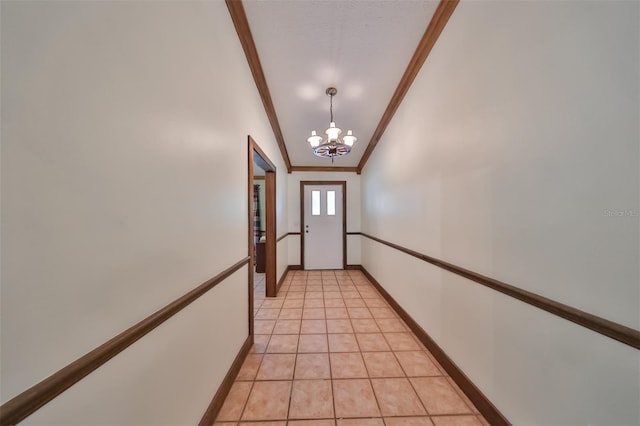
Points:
x=515 y=155
x=124 y=186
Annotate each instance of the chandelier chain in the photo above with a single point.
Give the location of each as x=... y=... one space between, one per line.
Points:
x=331 y=106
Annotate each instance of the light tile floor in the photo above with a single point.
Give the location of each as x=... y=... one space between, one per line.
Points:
x=329 y=350
x=258 y=288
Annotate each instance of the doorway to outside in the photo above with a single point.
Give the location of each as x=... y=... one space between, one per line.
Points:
x=261 y=224
x=323 y=220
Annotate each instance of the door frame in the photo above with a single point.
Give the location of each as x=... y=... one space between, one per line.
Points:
x=342 y=183
x=256 y=154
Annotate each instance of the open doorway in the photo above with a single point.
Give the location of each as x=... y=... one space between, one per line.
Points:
x=259 y=234
x=261 y=225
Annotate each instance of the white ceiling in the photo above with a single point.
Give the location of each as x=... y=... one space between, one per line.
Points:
x=360 y=47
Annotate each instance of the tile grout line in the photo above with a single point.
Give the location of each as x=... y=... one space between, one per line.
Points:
x=246 y=402
x=253 y=382
x=296 y=357
x=365 y=365
x=326 y=325
x=382 y=417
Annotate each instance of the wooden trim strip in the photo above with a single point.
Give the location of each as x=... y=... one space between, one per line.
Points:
x=283 y=236
x=482 y=403
x=354 y=233
x=619 y=332
x=240 y=22
x=284 y=274
x=323 y=169
x=295 y=267
x=262 y=159
x=25 y=404
x=216 y=403
x=344 y=225
x=434 y=29
x=271 y=250
x=251 y=153
x=281 y=280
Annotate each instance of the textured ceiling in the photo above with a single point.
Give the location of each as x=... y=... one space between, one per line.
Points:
x=360 y=47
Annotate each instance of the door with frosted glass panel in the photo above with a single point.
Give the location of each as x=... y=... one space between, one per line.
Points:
x=323 y=227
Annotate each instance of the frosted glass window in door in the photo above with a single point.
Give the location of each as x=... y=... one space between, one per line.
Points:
x=331 y=203
x=315 y=203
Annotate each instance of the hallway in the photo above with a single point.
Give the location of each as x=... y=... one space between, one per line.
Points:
x=330 y=351
x=489 y=220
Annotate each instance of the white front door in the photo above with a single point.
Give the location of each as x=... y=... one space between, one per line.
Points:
x=323 y=227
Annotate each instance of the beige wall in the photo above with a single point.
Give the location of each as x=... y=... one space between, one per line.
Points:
x=124 y=182
x=515 y=142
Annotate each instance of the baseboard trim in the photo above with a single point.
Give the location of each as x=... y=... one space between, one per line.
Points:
x=295 y=267
x=482 y=403
x=353 y=267
x=281 y=280
x=224 y=388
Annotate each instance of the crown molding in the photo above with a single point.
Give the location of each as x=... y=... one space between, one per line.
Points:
x=240 y=22
x=434 y=29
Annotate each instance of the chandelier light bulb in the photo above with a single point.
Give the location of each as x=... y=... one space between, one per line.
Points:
x=333 y=132
x=349 y=139
x=314 y=140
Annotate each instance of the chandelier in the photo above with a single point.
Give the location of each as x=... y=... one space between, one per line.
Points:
x=334 y=145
